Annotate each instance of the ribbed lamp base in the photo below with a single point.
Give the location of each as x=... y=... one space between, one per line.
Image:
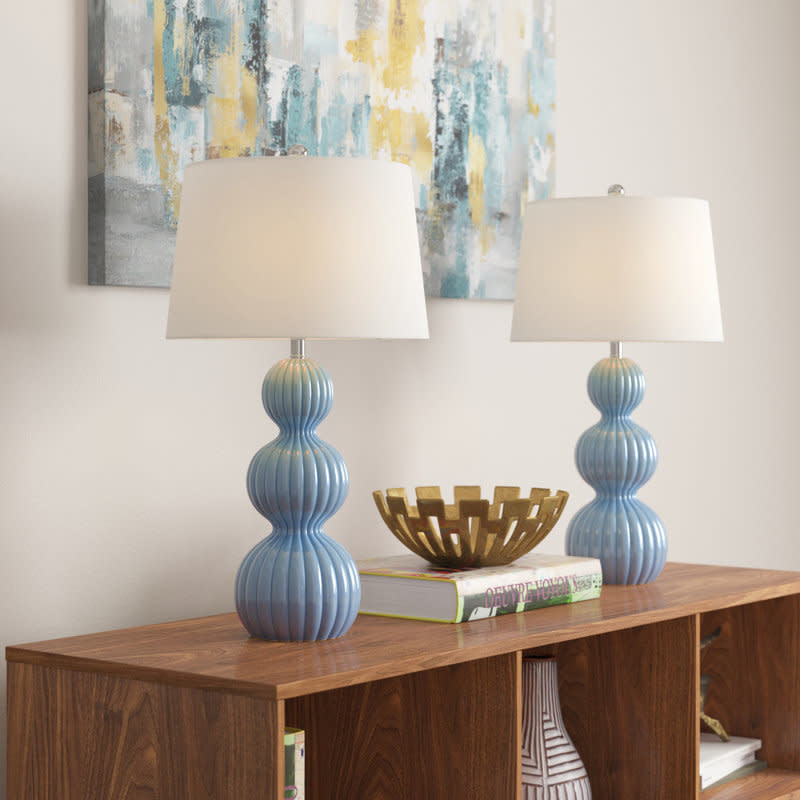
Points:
x=295 y=587
x=616 y=457
x=297 y=584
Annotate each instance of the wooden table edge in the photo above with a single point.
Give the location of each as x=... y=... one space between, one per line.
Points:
x=35 y=653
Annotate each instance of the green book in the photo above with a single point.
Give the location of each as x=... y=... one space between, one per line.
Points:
x=294 y=743
x=407 y=586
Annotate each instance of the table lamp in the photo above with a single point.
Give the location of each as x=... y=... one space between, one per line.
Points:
x=616 y=269
x=297 y=248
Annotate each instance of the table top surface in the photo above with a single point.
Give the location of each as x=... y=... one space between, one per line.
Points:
x=217 y=653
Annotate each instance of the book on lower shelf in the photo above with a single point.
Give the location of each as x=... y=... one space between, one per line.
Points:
x=409 y=587
x=294 y=748
x=723 y=761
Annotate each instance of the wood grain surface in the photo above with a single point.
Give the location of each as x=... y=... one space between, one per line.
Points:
x=630 y=703
x=754 y=667
x=87 y=736
x=450 y=732
x=216 y=652
x=401 y=710
x=769 y=784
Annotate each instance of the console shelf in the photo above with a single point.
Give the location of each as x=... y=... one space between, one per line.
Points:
x=770 y=784
x=400 y=709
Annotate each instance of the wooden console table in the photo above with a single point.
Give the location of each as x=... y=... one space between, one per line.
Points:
x=404 y=710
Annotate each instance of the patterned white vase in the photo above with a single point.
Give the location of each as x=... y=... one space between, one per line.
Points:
x=551 y=766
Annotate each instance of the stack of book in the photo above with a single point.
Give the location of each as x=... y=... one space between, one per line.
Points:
x=406 y=586
x=721 y=762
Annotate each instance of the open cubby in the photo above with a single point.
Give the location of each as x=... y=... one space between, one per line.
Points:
x=754 y=690
x=401 y=709
x=624 y=696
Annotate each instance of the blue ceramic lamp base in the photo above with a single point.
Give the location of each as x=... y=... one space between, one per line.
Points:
x=297 y=584
x=616 y=457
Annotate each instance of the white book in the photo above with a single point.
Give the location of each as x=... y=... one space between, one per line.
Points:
x=719 y=759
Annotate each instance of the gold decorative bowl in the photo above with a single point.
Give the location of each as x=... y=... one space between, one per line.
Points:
x=472 y=532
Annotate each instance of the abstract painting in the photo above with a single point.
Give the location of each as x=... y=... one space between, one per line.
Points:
x=463 y=91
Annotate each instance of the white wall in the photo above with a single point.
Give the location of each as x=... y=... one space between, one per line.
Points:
x=122 y=456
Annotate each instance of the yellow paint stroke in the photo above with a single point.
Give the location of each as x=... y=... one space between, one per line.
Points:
x=477 y=167
x=363 y=49
x=233 y=107
x=249 y=99
x=404 y=134
x=477 y=199
x=423 y=146
x=406 y=34
x=166 y=157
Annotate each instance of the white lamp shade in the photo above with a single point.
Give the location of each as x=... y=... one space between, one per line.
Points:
x=297 y=247
x=617 y=268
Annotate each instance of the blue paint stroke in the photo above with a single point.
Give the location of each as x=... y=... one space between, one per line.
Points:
x=450 y=183
x=318 y=41
x=359 y=127
x=491 y=124
x=202 y=39
x=296 y=117
x=146 y=165
x=334 y=126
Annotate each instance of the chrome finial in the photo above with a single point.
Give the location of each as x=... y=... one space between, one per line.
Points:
x=616 y=189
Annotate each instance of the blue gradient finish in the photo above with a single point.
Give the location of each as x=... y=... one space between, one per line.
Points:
x=297 y=584
x=616 y=457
